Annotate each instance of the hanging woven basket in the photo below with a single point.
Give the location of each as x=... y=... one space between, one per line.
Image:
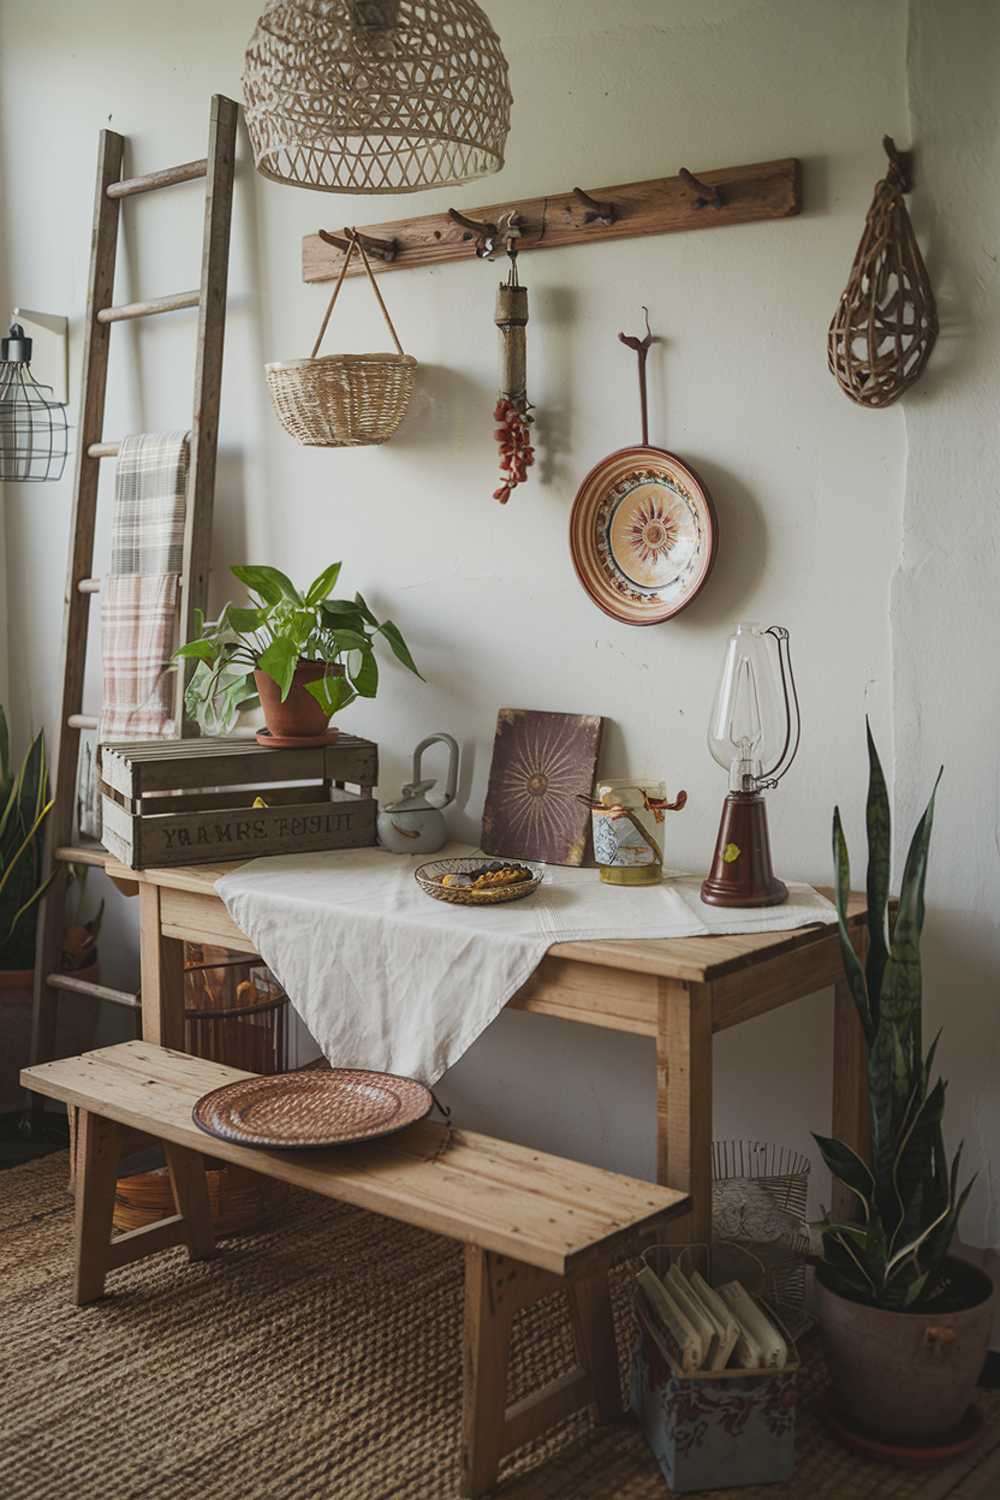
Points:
x=885 y=325
x=343 y=400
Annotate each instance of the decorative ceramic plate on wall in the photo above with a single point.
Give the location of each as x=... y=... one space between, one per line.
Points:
x=643 y=535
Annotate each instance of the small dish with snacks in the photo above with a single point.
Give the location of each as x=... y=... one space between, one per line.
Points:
x=475 y=881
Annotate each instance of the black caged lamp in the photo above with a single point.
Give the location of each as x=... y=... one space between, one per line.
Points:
x=33 y=427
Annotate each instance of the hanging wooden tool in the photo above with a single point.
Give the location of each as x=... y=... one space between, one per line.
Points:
x=886 y=321
x=512 y=412
x=643 y=531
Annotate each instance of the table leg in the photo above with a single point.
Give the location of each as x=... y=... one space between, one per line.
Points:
x=851 y=1111
x=684 y=1103
x=162 y=970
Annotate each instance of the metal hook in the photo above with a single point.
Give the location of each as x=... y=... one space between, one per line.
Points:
x=641 y=347
x=707 y=197
x=598 y=213
x=900 y=164
x=485 y=235
x=386 y=250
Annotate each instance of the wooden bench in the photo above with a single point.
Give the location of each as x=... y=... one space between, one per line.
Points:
x=529 y=1222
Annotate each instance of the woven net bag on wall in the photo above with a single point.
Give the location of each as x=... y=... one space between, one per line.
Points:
x=886 y=323
x=376 y=96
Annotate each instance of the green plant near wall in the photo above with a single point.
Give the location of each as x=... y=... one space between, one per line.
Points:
x=280 y=627
x=24 y=805
x=895 y=1257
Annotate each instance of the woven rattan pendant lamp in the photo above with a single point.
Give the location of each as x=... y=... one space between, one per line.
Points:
x=376 y=96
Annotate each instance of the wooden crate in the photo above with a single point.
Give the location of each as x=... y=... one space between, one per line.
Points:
x=189 y=802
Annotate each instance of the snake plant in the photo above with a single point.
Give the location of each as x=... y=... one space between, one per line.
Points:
x=895 y=1256
x=24 y=806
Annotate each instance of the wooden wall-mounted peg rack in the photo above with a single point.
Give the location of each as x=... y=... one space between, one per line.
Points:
x=731 y=195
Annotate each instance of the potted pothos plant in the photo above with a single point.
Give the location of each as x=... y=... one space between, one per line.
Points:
x=906 y=1324
x=303 y=655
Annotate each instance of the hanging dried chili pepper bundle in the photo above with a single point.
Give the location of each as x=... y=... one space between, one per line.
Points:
x=512 y=412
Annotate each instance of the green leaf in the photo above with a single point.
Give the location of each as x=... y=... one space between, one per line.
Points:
x=400 y=650
x=246 y=619
x=332 y=693
x=321 y=586
x=270 y=583
x=847 y=1165
x=365 y=679
x=350 y=640
x=852 y=964
x=301 y=626
x=365 y=611
x=901 y=985
x=879 y=824
x=279 y=662
x=835 y=1239
x=199 y=650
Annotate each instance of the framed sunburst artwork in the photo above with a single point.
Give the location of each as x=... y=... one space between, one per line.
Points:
x=542 y=764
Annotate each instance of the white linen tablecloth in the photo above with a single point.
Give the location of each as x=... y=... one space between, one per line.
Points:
x=386 y=977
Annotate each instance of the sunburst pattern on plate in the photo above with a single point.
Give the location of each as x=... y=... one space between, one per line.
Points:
x=642 y=535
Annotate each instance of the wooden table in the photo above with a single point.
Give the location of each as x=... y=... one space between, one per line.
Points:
x=680 y=991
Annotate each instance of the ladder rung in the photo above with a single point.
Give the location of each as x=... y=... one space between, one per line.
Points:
x=81 y=854
x=148 y=183
x=89 y=585
x=75 y=986
x=173 y=303
x=81 y=721
x=104 y=450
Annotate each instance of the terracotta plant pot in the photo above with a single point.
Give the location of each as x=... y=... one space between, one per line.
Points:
x=904 y=1376
x=300 y=714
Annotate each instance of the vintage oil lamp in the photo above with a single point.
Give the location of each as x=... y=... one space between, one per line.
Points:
x=754 y=735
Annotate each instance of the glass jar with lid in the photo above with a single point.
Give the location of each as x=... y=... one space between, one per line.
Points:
x=628 y=823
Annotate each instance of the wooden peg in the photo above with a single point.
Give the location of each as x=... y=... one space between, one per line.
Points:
x=597 y=213
x=707 y=197
x=485 y=235
x=386 y=250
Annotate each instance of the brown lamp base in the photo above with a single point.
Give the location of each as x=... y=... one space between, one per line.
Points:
x=741 y=873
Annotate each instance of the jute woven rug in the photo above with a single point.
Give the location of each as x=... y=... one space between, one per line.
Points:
x=319 y=1359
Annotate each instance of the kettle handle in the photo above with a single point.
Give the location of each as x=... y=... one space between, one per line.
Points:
x=451 y=785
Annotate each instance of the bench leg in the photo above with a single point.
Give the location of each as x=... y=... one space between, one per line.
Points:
x=596 y=1346
x=496 y=1288
x=187 y=1180
x=488 y=1323
x=98 y=1148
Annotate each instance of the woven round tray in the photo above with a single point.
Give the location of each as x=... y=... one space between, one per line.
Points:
x=291 y=1111
x=429 y=877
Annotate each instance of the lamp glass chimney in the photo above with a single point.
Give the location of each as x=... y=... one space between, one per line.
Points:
x=748 y=729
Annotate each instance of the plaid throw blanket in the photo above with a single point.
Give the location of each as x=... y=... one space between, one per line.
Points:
x=147 y=533
x=139 y=599
x=139 y=621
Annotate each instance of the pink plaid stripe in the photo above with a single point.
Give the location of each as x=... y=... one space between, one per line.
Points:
x=139 y=619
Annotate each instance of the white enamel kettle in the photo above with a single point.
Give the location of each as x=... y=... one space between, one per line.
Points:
x=413 y=825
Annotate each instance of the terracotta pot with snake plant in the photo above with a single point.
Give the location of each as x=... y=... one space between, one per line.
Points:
x=906 y=1324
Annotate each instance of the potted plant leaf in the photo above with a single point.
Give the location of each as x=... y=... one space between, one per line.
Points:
x=24 y=806
x=301 y=654
x=905 y=1323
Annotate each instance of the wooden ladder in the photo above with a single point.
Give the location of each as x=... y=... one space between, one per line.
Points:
x=210 y=299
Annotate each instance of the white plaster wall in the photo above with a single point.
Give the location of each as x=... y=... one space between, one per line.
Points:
x=945 y=616
x=807 y=486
